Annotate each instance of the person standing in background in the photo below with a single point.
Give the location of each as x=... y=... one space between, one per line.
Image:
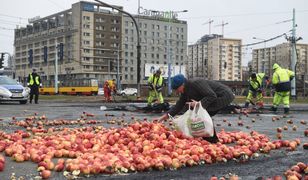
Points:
x=282 y=83
x=34 y=82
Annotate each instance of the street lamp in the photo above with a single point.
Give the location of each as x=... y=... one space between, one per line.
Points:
x=138 y=41
x=169 y=51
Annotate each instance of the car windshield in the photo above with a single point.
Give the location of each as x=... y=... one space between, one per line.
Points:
x=7 y=81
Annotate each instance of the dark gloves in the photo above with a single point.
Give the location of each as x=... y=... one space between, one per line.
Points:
x=151 y=87
x=159 y=89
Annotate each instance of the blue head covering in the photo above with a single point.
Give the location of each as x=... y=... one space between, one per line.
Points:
x=177 y=81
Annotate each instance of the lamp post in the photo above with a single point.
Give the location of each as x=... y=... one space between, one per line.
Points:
x=138 y=41
x=169 y=50
x=263 y=60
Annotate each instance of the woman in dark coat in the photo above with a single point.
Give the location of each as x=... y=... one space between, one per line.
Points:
x=214 y=97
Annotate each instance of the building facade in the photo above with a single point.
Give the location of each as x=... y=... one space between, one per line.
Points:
x=215 y=58
x=264 y=58
x=97 y=42
x=157 y=36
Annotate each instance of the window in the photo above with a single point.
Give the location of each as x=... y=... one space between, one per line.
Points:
x=131 y=69
x=115 y=21
x=126 y=23
x=126 y=68
x=131 y=54
x=86 y=42
x=153 y=26
x=166 y=28
x=126 y=31
x=157 y=27
x=86 y=34
x=86 y=50
x=86 y=26
x=145 y=25
x=157 y=34
x=86 y=18
x=157 y=56
x=145 y=33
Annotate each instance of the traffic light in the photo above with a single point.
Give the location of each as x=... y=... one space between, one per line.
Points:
x=60 y=55
x=45 y=54
x=30 y=56
x=2 y=61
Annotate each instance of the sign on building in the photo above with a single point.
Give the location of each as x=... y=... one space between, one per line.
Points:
x=152 y=68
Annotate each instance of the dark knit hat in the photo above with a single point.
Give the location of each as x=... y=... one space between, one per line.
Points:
x=177 y=81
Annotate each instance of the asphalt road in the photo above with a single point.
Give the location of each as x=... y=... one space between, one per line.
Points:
x=267 y=165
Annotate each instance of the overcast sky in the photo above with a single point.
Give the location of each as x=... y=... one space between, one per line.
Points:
x=246 y=18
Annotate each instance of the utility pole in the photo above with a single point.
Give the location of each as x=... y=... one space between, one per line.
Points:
x=209 y=22
x=118 y=66
x=222 y=27
x=293 y=56
x=56 y=68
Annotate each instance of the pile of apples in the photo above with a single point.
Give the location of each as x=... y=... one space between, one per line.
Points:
x=140 y=146
x=296 y=171
x=2 y=162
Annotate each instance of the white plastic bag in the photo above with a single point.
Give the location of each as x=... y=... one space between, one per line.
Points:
x=195 y=123
x=201 y=123
x=181 y=122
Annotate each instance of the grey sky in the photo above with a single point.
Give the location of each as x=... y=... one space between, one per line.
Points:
x=246 y=18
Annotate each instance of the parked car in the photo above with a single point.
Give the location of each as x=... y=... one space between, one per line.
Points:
x=11 y=90
x=129 y=92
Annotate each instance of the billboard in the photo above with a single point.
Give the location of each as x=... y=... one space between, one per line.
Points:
x=151 y=68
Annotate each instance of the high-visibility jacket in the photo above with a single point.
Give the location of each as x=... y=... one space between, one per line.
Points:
x=281 y=79
x=111 y=85
x=35 y=80
x=256 y=85
x=156 y=82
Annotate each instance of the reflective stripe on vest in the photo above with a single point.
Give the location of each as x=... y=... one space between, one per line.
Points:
x=31 y=82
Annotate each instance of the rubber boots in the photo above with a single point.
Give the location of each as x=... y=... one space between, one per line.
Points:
x=286 y=110
x=273 y=109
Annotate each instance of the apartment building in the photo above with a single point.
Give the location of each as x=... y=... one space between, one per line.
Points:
x=264 y=58
x=162 y=40
x=216 y=58
x=89 y=36
x=97 y=42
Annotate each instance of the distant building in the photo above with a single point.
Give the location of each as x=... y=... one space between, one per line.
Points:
x=91 y=38
x=157 y=35
x=245 y=73
x=264 y=58
x=216 y=58
x=98 y=43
